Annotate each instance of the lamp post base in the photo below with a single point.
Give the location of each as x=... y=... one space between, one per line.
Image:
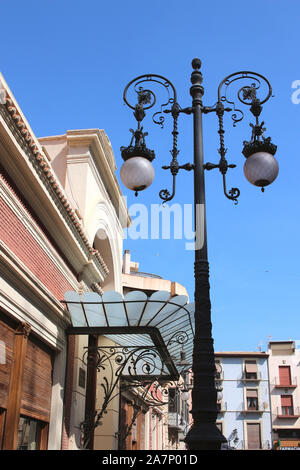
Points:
x=204 y=436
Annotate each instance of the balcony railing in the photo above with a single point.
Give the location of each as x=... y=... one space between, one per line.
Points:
x=251 y=377
x=252 y=409
x=291 y=384
x=288 y=412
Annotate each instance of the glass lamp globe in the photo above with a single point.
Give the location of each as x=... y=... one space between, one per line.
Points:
x=261 y=169
x=137 y=173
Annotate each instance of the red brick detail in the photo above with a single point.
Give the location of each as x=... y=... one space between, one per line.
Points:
x=20 y=241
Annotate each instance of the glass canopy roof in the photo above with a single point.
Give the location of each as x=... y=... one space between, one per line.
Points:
x=135 y=320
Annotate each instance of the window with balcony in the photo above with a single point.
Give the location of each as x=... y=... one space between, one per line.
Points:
x=251 y=370
x=285 y=375
x=252 y=399
x=285 y=380
x=287 y=408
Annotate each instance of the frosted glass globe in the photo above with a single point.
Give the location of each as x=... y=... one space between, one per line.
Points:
x=137 y=173
x=261 y=169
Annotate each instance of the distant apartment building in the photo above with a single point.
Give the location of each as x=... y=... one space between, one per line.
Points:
x=244 y=399
x=284 y=370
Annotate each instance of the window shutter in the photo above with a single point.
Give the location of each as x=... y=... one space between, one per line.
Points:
x=286 y=400
x=284 y=375
x=251 y=367
x=251 y=393
x=37 y=382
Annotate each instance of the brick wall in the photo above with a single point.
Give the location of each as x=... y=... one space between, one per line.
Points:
x=27 y=249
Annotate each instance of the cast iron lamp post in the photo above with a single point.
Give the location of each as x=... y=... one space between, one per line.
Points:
x=260 y=169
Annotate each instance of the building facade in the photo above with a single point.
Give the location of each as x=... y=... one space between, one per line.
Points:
x=284 y=367
x=244 y=416
x=55 y=236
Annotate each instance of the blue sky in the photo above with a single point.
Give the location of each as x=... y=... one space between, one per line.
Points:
x=67 y=63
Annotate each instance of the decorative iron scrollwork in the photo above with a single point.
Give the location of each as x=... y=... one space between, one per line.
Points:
x=132 y=367
x=146 y=100
x=148 y=97
x=255 y=91
x=180 y=337
x=133 y=361
x=247 y=95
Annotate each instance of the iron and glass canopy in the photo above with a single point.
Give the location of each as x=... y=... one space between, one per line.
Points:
x=149 y=331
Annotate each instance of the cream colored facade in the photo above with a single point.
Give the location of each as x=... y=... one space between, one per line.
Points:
x=133 y=279
x=284 y=373
x=85 y=166
x=83 y=161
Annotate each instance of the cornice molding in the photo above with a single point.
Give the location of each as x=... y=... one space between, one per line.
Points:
x=22 y=141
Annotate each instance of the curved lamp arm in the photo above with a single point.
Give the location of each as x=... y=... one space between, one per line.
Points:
x=146 y=100
x=247 y=95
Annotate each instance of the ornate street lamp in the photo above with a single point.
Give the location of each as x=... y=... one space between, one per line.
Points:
x=260 y=169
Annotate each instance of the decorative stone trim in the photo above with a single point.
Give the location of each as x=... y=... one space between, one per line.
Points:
x=46 y=170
